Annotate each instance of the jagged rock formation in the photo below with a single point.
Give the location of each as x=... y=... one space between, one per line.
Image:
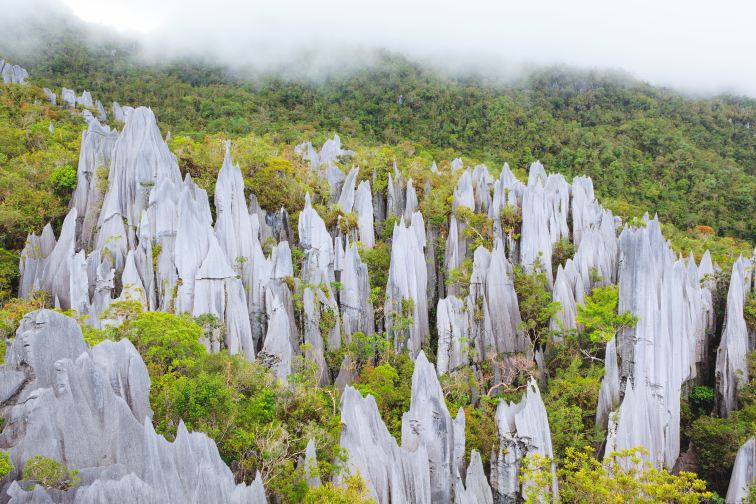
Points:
x=523 y=430
x=63 y=399
x=658 y=355
x=430 y=462
x=743 y=473
x=392 y=474
x=732 y=366
x=428 y=424
x=137 y=231
x=12 y=74
x=406 y=292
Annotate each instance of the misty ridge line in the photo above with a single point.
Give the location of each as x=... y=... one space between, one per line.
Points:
x=255 y=42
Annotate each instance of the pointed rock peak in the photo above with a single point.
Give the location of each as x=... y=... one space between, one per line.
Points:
x=215 y=265
x=537 y=174
x=308 y=203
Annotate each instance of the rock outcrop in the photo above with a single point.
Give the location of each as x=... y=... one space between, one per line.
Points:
x=66 y=401
x=732 y=367
x=743 y=473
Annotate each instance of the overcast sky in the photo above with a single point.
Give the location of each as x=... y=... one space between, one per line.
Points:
x=693 y=45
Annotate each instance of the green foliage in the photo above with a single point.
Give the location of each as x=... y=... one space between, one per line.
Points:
x=749 y=311
x=571 y=399
x=623 y=476
x=168 y=343
x=6 y=464
x=598 y=315
x=511 y=220
x=49 y=473
x=352 y=491
x=63 y=180
x=14 y=310
x=534 y=298
x=391 y=386
x=9 y=273
x=717 y=440
x=478 y=228
x=701 y=400
x=563 y=249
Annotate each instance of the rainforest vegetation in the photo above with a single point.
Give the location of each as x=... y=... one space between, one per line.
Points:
x=647 y=149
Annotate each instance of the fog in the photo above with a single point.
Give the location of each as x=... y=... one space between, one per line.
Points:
x=695 y=46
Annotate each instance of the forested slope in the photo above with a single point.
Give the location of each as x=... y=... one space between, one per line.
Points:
x=647 y=149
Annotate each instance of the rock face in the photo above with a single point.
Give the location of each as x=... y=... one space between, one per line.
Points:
x=428 y=424
x=406 y=292
x=743 y=473
x=137 y=231
x=65 y=406
x=13 y=74
x=392 y=474
x=658 y=355
x=523 y=430
x=732 y=368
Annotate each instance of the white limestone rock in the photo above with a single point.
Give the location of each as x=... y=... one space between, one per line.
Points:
x=68 y=409
x=732 y=366
x=743 y=473
x=392 y=474
x=69 y=97
x=452 y=324
x=428 y=424
x=363 y=207
x=50 y=96
x=277 y=352
x=407 y=280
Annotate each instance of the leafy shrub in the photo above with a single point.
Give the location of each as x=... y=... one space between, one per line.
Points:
x=6 y=465
x=63 y=179
x=563 y=249
x=352 y=491
x=701 y=400
x=49 y=473
x=623 y=476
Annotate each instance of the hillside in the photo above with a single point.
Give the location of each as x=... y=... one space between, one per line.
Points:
x=690 y=160
x=234 y=305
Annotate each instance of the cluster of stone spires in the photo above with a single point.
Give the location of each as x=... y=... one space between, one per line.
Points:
x=137 y=231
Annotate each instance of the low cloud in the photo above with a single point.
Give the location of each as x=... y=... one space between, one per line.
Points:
x=691 y=45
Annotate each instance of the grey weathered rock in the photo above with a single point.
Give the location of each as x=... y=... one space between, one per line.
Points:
x=410 y=201
x=311 y=465
x=502 y=304
x=363 y=207
x=408 y=277
x=354 y=296
x=50 y=96
x=452 y=324
x=523 y=430
x=13 y=74
x=347 y=197
x=69 y=97
x=743 y=473
x=312 y=336
x=67 y=409
x=659 y=354
x=91 y=177
x=609 y=394
x=392 y=474
x=85 y=100
x=476 y=489
x=118 y=112
x=395 y=194
x=732 y=367
x=277 y=352
x=429 y=426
